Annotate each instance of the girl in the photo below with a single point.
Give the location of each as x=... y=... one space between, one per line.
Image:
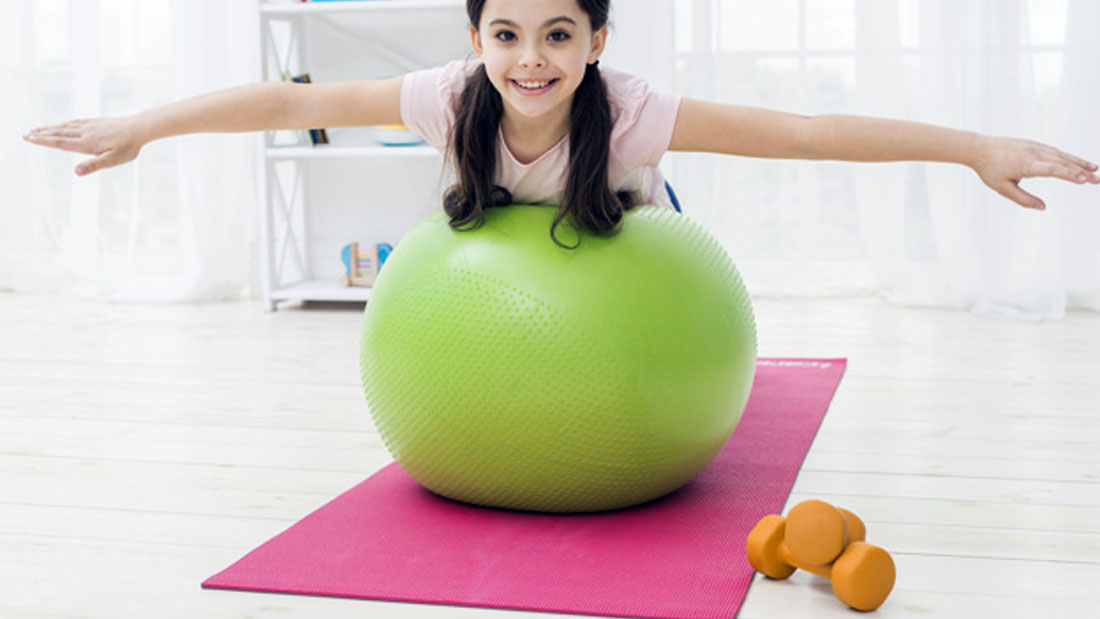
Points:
x=536 y=120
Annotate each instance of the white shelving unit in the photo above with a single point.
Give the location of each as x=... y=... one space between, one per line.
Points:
x=316 y=8
x=293 y=35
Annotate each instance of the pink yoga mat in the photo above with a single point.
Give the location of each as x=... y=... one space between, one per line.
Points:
x=680 y=556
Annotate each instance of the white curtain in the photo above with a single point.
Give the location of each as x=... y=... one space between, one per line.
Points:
x=920 y=234
x=176 y=223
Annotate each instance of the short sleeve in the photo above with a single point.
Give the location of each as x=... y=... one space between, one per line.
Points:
x=644 y=119
x=429 y=99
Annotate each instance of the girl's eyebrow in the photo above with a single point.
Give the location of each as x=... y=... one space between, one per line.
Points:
x=546 y=24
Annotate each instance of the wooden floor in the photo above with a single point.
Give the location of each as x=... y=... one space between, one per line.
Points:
x=143 y=448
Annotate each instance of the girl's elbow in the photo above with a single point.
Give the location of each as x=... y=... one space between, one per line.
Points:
x=813 y=137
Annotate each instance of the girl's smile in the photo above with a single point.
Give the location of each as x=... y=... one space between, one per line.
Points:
x=533 y=88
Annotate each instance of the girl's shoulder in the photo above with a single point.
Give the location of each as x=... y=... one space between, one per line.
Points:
x=429 y=98
x=448 y=79
x=634 y=100
x=458 y=71
x=621 y=84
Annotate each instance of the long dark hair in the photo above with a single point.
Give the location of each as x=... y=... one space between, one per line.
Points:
x=587 y=201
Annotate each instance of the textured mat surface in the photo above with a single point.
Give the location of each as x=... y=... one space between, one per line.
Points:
x=680 y=556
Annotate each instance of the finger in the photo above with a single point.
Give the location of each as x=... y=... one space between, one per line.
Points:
x=66 y=127
x=1076 y=163
x=94 y=164
x=1049 y=153
x=1084 y=163
x=1013 y=192
x=53 y=133
x=1061 y=170
x=46 y=129
x=1084 y=173
x=63 y=143
x=59 y=133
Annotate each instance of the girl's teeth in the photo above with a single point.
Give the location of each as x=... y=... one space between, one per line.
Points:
x=533 y=85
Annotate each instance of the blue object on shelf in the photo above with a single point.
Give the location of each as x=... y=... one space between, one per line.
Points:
x=345 y=257
x=394 y=135
x=384 y=250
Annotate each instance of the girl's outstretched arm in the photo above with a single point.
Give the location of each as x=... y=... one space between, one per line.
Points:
x=256 y=107
x=752 y=132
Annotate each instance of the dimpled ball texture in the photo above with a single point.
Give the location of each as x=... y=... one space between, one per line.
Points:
x=504 y=370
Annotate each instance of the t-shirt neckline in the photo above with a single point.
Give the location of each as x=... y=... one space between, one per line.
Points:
x=504 y=147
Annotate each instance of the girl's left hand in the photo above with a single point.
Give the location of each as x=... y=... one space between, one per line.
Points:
x=1004 y=162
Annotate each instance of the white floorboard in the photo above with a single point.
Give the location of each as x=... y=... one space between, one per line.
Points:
x=143 y=448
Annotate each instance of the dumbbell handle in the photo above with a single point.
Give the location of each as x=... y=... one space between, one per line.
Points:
x=824 y=571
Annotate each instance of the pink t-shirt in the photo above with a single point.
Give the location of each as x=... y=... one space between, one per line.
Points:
x=643 y=120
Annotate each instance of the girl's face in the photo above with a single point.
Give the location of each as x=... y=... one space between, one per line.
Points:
x=535 y=53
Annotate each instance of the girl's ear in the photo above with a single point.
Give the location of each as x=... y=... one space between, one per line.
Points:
x=475 y=41
x=599 y=41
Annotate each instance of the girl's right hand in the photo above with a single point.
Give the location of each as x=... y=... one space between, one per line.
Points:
x=113 y=141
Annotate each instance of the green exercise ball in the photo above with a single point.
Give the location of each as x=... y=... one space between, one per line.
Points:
x=504 y=370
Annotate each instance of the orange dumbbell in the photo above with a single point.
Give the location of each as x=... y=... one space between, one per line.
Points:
x=827 y=541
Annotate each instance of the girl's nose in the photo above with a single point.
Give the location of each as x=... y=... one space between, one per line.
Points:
x=532 y=58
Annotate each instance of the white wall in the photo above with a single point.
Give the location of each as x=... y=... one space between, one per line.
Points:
x=643 y=41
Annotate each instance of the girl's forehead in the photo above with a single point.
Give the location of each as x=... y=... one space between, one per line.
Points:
x=532 y=13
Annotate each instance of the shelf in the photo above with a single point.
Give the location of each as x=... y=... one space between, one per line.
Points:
x=320 y=290
x=356 y=6
x=305 y=206
x=331 y=150
x=348 y=142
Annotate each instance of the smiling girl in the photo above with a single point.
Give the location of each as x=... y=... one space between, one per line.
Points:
x=535 y=120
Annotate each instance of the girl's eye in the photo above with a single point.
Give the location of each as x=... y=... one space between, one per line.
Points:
x=558 y=36
x=505 y=35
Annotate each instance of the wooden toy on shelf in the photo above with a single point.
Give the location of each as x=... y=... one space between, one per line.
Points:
x=362 y=261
